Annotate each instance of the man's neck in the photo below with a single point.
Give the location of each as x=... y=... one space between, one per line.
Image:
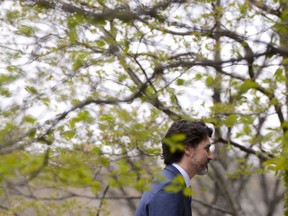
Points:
x=183 y=173
x=188 y=169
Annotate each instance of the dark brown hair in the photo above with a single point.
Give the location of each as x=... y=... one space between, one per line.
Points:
x=183 y=133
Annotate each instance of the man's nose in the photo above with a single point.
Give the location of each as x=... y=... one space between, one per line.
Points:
x=210 y=156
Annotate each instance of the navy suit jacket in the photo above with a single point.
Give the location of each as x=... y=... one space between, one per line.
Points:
x=159 y=202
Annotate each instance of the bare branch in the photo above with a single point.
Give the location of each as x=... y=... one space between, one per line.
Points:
x=213 y=207
x=102 y=200
x=117 y=13
x=262 y=156
x=264 y=7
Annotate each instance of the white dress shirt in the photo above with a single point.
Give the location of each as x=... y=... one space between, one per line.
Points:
x=183 y=173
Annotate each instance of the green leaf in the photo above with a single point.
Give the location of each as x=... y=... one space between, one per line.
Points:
x=73 y=35
x=96 y=186
x=5 y=92
x=141 y=185
x=248 y=84
x=175 y=142
x=31 y=89
x=68 y=134
x=187 y=191
x=247 y=130
x=243 y=8
x=26 y=30
x=100 y=43
x=177 y=185
x=101 y=1
x=12 y=15
x=277 y=164
x=209 y=81
x=80 y=59
x=45 y=100
x=12 y=68
x=82 y=116
x=29 y=119
x=4 y=78
x=198 y=76
x=32 y=133
x=279 y=76
x=180 y=82
x=231 y=120
x=72 y=22
x=107 y=118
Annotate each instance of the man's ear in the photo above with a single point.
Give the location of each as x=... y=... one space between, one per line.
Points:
x=187 y=150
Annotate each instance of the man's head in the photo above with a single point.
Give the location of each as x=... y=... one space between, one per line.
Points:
x=188 y=140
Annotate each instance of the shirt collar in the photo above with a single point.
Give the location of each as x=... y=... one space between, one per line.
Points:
x=183 y=173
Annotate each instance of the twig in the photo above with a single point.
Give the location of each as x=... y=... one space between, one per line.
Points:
x=102 y=200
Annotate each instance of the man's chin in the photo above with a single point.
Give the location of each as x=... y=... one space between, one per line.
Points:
x=203 y=171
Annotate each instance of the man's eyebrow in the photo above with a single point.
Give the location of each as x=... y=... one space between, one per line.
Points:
x=208 y=145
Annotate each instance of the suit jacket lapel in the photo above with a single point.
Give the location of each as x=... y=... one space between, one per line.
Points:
x=188 y=206
x=171 y=172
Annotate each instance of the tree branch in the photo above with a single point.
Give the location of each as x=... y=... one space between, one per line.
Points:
x=34 y=174
x=117 y=13
x=260 y=155
x=264 y=7
x=102 y=200
x=211 y=206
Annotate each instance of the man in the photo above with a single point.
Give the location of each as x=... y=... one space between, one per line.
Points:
x=186 y=152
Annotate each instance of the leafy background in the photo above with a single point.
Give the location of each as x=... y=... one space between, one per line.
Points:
x=88 y=89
